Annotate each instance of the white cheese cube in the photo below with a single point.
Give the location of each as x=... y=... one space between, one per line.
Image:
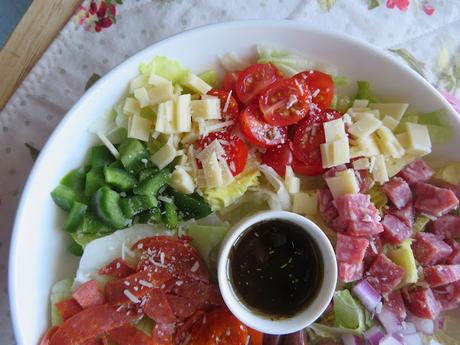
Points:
x=395 y=165
x=305 y=203
x=183 y=114
x=182 y=181
x=364 y=127
x=340 y=152
x=213 y=147
x=131 y=106
x=347 y=119
x=142 y=96
x=292 y=184
x=361 y=164
x=388 y=143
x=165 y=118
x=390 y=122
x=344 y=182
x=334 y=130
x=196 y=84
x=327 y=158
x=137 y=82
x=192 y=160
x=403 y=139
x=156 y=80
x=356 y=151
x=178 y=90
x=227 y=176
x=419 y=139
x=395 y=110
x=139 y=128
x=207 y=109
x=379 y=170
x=360 y=103
x=164 y=156
x=212 y=171
x=289 y=172
x=161 y=93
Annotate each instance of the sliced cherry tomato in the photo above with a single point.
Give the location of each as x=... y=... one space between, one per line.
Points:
x=259 y=132
x=285 y=102
x=308 y=136
x=321 y=87
x=230 y=81
x=306 y=170
x=219 y=327
x=278 y=157
x=228 y=105
x=236 y=151
x=252 y=81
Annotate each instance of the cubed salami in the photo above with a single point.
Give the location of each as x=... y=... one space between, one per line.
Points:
x=394 y=302
x=422 y=303
x=375 y=247
x=68 y=308
x=398 y=191
x=361 y=215
x=384 y=275
x=406 y=213
x=448 y=295
x=350 y=272
x=441 y=274
x=326 y=206
x=351 y=249
x=89 y=294
x=118 y=268
x=433 y=200
x=395 y=230
x=447 y=226
x=417 y=171
x=364 y=180
x=429 y=249
x=454 y=257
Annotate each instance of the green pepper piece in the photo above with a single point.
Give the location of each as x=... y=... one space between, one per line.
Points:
x=152 y=184
x=94 y=180
x=136 y=204
x=170 y=217
x=75 y=178
x=101 y=156
x=91 y=224
x=64 y=197
x=75 y=216
x=134 y=155
x=119 y=178
x=191 y=205
x=152 y=216
x=105 y=204
x=76 y=249
x=144 y=173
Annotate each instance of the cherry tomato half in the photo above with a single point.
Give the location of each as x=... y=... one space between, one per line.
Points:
x=278 y=157
x=321 y=87
x=228 y=105
x=252 y=81
x=230 y=81
x=259 y=132
x=285 y=102
x=236 y=151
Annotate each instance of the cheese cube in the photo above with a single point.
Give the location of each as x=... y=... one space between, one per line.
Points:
x=334 y=130
x=139 y=128
x=183 y=113
x=178 y=90
x=208 y=109
x=212 y=171
x=395 y=110
x=360 y=103
x=419 y=139
x=131 y=106
x=389 y=122
x=344 y=182
x=165 y=118
x=142 y=96
x=289 y=172
x=164 y=156
x=161 y=93
x=403 y=139
x=365 y=147
x=292 y=184
x=305 y=203
x=361 y=164
x=364 y=127
x=156 y=80
x=327 y=155
x=182 y=181
x=347 y=119
x=227 y=176
x=388 y=143
x=395 y=165
x=192 y=160
x=340 y=152
x=356 y=151
x=196 y=84
x=214 y=147
x=379 y=170
x=137 y=82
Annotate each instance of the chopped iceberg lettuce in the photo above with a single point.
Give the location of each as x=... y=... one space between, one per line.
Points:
x=420 y=222
x=348 y=312
x=378 y=197
x=450 y=173
x=365 y=92
x=164 y=67
x=210 y=77
x=60 y=291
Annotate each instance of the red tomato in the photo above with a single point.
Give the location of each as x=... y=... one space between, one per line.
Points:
x=278 y=157
x=230 y=81
x=285 y=102
x=306 y=170
x=308 y=136
x=219 y=327
x=321 y=87
x=259 y=132
x=228 y=105
x=252 y=81
x=236 y=151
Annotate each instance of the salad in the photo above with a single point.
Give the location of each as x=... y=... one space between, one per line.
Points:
x=182 y=157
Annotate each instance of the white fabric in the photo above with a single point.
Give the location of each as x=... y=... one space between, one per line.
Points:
x=58 y=79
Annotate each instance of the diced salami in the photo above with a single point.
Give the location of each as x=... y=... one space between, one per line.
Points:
x=46 y=339
x=395 y=303
x=88 y=324
x=364 y=180
x=441 y=274
x=406 y=213
x=183 y=330
x=454 y=258
x=448 y=295
x=326 y=207
x=68 y=308
x=361 y=215
x=129 y=335
x=422 y=303
x=157 y=307
x=350 y=272
x=118 y=268
x=417 y=171
x=163 y=334
x=375 y=247
x=398 y=191
x=350 y=249
x=429 y=249
x=89 y=294
x=433 y=200
x=447 y=226
x=384 y=275
x=395 y=230
x=182 y=307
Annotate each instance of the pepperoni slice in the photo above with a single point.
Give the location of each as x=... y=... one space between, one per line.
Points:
x=47 y=336
x=89 y=294
x=129 y=335
x=157 y=307
x=68 y=308
x=118 y=268
x=163 y=334
x=183 y=307
x=184 y=330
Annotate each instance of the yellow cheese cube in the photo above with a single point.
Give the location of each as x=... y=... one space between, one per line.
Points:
x=183 y=113
x=214 y=147
x=139 y=128
x=360 y=103
x=390 y=122
x=137 y=82
x=164 y=156
x=388 y=143
x=212 y=171
x=419 y=139
x=327 y=155
x=395 y=165
x=207 y=109
x=161 y=93
x=131 y=106
x=340 y=152
x=344 y=182
x=289 y=172
x=334 y=130
x=165 y=118
x=182 y=181
x=305 y=203
x=196 y=84
x=156 y=80
x=364 y=127
x=379 y=170
x=395 y=110
x=292 y=184
x=361 y=164
x=227 y=176
x=403 y=139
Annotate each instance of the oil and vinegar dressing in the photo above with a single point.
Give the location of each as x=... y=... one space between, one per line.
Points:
x=276 y=268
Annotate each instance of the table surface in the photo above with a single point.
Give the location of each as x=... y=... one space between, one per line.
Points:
x=36 y=30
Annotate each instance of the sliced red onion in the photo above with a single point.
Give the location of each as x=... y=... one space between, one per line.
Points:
x=426 y=326
x=373 y=335
x=389 y=321
x=389 y=340
x=408 y=328
x=350 y=339
x=367 y=295
x=412 y=339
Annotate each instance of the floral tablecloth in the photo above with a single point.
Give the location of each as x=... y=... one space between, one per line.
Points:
x=425 y=34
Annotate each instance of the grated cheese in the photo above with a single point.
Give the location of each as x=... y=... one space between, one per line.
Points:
x=131 y=297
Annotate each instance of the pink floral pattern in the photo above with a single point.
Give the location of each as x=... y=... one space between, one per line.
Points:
x=97 y=15
x=402 y=5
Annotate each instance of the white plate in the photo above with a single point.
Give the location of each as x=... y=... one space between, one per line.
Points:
x=39 y=256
